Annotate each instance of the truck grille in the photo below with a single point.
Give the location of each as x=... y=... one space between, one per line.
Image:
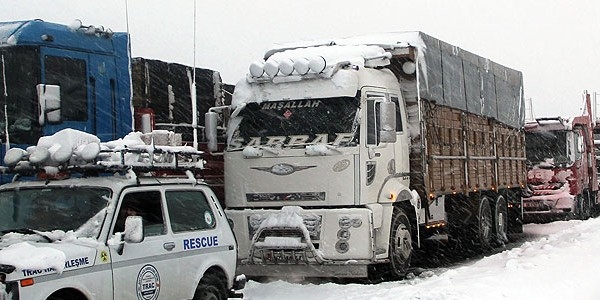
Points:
x=268 y=197
x=312 y=223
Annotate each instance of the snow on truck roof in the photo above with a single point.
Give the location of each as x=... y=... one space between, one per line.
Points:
x=480 y=85
x=74 y=36
x=391 y=40
x=324 y=56
x=71 y=149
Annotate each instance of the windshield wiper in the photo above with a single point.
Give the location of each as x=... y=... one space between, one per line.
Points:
x=28 y=231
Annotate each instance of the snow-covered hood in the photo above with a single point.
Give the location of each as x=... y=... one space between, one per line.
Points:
x=33 y=259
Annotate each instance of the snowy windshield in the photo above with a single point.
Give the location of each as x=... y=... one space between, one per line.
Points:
x=53 y=208
x=547 y=146
x=298 y=122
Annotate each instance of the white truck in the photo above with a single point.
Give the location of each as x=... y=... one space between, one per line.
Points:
x=345 y=155
x=124 y=219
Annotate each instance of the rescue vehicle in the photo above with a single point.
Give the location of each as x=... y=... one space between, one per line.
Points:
x=124 y=219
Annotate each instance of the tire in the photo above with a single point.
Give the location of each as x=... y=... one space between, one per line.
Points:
x=401 y=247
x=501 y=221
x=583 y=206
x=484 y=224
x=211 y=287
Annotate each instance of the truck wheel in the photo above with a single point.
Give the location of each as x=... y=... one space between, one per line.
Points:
x=501 y=221
x=401 y=249
x=211 y=287
x=583 y=207
x=484 y=224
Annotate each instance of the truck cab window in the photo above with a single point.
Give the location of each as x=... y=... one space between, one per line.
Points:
x=21 y=74
x=71 y=75
x=373 y=125
x=398 y=113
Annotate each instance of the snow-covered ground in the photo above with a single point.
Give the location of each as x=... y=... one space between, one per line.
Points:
x=559 y=260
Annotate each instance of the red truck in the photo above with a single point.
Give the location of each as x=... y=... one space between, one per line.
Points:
x=562 y=177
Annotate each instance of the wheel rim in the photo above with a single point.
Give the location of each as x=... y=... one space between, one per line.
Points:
x=402 y=243
x=485 y=221
x=501 y=219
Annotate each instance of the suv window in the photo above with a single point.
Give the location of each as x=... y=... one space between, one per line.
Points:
x=189 y=210
x=146 y=204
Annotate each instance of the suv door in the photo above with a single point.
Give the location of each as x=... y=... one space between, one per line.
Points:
x=148 y=270
x=198 y=234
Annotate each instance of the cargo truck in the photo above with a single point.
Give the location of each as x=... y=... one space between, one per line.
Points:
x=343 y=156
x=55 y=76
x=562 y=175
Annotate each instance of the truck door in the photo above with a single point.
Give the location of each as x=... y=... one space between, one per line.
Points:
x=69 y=70
x=103 y=97
x=401 y=147
x=377 y=159
x=149 y=269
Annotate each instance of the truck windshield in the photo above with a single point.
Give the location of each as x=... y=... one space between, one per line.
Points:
x=19 y=75
x=80 y=209
x=547 y=146
x=292 y=123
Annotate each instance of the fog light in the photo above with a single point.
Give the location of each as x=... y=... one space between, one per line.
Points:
x=356 y=222
x=345 y=222
x=343 y=234
x=342 y=246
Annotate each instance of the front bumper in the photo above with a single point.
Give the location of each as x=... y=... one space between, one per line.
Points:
x=342 y=270
x=544 y=210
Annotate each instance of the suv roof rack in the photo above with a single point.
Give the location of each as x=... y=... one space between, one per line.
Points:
x=58 y=154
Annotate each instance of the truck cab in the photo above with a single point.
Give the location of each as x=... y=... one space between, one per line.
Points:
x=129 y=222
x=56 y=76
x=562 y=174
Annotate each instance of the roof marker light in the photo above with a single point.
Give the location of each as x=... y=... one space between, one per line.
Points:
x=76 y=24
x=286 y=67
x=301 y=66
x=317 y=64
x=256 y=69
x=271 y=68
x=409 y=67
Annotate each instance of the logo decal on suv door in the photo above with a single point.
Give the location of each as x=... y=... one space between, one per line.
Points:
x=148 y=283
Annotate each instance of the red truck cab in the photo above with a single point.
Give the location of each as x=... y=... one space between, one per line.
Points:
x=562 y=174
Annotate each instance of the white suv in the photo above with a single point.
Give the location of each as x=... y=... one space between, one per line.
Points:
x=123 y=236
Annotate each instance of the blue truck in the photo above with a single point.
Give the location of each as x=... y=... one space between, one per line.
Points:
x=55 y=76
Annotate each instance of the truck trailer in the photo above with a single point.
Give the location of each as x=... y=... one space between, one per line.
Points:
x=562 y=175
x=343 y=156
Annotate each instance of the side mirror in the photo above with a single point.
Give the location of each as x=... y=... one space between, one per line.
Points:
x=134 y=229
x=49 y=103
x=387 y=121
x=210 y=130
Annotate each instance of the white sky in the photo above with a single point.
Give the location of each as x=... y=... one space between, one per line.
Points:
x=554 y=43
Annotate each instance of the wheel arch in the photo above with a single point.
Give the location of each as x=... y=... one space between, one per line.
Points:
x=69 y=293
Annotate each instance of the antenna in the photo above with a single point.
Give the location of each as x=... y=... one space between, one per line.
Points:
x=5 y=104
x=129 y=54
x=193 y=89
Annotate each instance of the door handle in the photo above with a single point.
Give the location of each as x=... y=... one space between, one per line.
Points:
x=169 y=246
